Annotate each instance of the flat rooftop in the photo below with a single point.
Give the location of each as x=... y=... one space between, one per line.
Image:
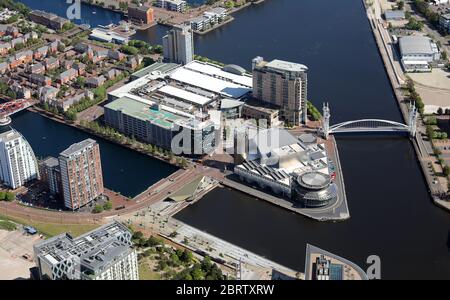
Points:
x=415 y=44
x=185 y=95
x=217 y=72
x=96 y=249
x=162 y=68
x=282 y=65
x=77 y=147
x=210 y=83
x=144 y=111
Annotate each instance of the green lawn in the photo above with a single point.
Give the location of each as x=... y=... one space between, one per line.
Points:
x=145 y=273
x=50 y=229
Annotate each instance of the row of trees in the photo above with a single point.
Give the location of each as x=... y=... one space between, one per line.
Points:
x=414 y=96
x=7 y=196
x=100 y=208
x=140 y=47
x=114 y=135
x=424 y=8
x=313 y=112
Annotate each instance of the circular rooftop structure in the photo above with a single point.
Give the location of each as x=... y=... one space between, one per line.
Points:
x=314 y=180
x=234 y=69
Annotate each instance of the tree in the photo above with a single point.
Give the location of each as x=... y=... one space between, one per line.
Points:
x=2 y=196
x=108 y=205
x=197 y=273
x=446 y=170
x=440 y=111
x=137 y=235
x=98 y=209
x=400 y=5
x=10 y=196
x=186 y=256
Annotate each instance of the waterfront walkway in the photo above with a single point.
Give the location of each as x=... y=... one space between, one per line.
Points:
x=420 y=145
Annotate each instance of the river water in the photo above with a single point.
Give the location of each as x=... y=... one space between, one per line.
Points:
x=391 y=212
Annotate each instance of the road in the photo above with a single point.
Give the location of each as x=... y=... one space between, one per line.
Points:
x=172 y=183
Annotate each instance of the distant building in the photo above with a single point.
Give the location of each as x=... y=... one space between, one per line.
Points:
x=173 y=5
x=444 y=22
x=40 y=79
x=67 y=76
x=178 y=45
x=48 y=19
x=394 y=15
x=417 y=52
x=81 y=174
x=18 y=163
x=105 y=253
x=283 y=84
x=140 y=14
x=47 y=93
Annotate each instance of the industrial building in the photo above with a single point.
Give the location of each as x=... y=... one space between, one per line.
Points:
x=105 y=253
x=178 y=45
x=18 y=164
x=417 y=53
x=276 y=161
x=283 y=84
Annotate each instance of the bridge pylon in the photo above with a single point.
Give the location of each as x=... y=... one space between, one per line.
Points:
x=326 y=115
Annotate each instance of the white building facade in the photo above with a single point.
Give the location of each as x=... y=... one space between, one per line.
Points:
x=178 y=45
x=18 y=163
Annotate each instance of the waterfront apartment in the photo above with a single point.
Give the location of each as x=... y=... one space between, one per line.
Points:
x=173 y=5
x=283 y=84
x=105 y=253
x=81 y=174
x=417 y=53
x=178 y=45
x=209 y=18
x=18 y=164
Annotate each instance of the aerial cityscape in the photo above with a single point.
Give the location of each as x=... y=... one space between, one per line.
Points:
x=224 y=140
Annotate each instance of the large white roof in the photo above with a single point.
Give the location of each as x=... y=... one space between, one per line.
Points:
x=217 y=72
x=209 y=83
x=185 y=95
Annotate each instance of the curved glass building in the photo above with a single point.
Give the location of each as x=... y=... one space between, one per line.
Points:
x=314 y=189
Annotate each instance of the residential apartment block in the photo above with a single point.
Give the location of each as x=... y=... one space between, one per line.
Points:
x=105 y=253
x=283 y=84
x=18 y=163
x=81 y=174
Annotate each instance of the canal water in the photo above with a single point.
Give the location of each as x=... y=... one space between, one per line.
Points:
x=124 y=170
x=392 y=215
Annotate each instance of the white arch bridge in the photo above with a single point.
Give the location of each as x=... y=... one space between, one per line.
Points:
x=369 y=125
